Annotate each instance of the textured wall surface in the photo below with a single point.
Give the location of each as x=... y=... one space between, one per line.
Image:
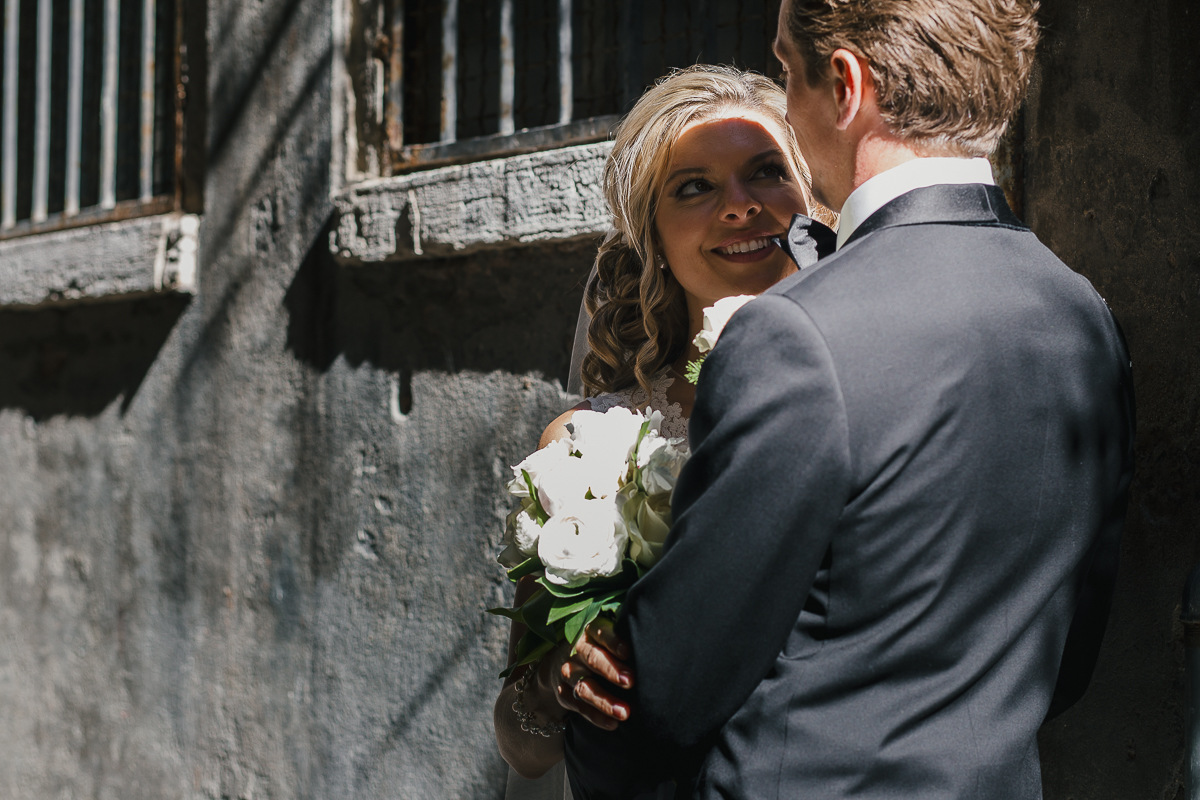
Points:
x=97 y=261
x=1113 y=186
x=502 y=202
x=246 y=536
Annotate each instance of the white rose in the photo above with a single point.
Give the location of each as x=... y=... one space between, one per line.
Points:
x=526 y=532
x=604 y=441
x=570 y=481
x=648 y=520
x=661 y=461
x=585 y=541
x=520 y=535
x=538 y=462
x=716 y=317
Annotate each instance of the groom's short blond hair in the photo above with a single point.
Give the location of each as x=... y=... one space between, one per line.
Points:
x=949 y=74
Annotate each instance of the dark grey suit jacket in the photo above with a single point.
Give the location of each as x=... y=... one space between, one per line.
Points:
x=910 y=472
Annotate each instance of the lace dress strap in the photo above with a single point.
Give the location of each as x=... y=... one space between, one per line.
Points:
x=634 y=398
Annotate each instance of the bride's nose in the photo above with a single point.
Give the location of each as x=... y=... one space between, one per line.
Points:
x=739 y=204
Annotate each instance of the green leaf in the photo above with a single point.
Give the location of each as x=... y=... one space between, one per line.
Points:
x=541 y=516
x=531 y=648
x=536 y=611
x=564 y=607
x=512 y=613
x=526 y=567
x=613 y=606
x=692 y=371
x=575 y=625
x=595 y=586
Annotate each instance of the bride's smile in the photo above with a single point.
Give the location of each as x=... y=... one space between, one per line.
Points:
x=729 y=191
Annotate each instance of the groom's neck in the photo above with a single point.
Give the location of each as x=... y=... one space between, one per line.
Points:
x=877 y=151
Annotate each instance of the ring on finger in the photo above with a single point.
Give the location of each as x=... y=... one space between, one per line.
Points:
x=578 y=683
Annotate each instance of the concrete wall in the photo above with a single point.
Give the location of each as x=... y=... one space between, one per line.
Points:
x=1113 y=187
x=246 y=539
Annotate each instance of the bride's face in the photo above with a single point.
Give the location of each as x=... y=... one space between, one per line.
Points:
x=728 y=190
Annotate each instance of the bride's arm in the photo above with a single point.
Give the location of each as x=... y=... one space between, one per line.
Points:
x=529 y=754
x=550 y=695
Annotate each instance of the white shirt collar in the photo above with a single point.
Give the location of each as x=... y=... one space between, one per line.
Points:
x=916 y=174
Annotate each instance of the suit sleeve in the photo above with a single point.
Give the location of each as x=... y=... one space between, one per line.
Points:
x=1082 y=648
x=754 y=512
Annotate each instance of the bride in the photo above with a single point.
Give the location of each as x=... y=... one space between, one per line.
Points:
x=703 y=175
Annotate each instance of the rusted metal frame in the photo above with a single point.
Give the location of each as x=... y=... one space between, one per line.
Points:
x=74 y=110
x=449 y=71
x=393 y=107
x=108 y=103
x=508 y=70
x=529 y=140
x=146 y=145
x=191 y=108
x=565 y=78
x=41 y=113
x=8 y=136
x=93 y=215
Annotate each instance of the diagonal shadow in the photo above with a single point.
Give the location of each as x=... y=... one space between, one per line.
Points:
x=512 y=310
x=77 y=359
x=401 y=720
x=231 y=110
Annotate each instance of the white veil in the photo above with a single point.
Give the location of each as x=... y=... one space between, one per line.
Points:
x=580 y=348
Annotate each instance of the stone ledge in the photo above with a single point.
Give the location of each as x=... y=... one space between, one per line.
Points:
x=135 y=256
x=551 y=195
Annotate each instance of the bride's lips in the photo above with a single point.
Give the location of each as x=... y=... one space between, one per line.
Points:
x=748 y=247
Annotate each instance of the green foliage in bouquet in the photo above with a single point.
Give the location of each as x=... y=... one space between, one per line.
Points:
x=557 y=613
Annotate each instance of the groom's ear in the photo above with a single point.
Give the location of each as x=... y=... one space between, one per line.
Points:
x=851 y=84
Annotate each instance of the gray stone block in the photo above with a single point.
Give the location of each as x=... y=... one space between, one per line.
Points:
x=554 y=195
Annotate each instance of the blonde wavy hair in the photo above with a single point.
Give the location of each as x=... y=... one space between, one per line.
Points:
x=639 y=319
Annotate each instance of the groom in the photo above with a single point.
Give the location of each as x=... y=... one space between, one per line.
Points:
x=895 y=543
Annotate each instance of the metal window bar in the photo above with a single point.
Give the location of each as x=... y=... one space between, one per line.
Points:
x=74 y=110
x=41 y=138
x=125 y=159
x=8 y=146
x=449 y=71
x=591 y=60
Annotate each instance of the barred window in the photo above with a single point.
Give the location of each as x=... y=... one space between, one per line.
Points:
x=456 y=80
x=92 y=107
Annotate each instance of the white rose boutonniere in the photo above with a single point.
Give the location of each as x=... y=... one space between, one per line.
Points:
x=716 y=317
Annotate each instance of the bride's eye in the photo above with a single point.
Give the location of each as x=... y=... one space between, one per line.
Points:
x=772 y=171
x=693 y=188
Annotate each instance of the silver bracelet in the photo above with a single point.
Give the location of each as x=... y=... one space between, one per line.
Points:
x=526 y=717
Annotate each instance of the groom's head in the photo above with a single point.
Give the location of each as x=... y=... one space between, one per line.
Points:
x=941 y=76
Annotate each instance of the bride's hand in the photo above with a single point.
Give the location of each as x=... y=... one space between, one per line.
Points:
x=599 y=654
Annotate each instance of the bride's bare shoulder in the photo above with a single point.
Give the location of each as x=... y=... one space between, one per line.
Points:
x=558 y=428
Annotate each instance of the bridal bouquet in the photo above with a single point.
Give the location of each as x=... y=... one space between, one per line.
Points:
x=595 y=510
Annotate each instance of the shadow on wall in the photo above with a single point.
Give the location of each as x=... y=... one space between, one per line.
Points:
x=512 y=310
x=77 y=359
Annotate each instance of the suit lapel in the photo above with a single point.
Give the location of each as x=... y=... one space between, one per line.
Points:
x=947 y=204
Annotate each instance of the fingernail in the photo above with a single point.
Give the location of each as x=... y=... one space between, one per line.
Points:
x=622 y=714
x=626 y=679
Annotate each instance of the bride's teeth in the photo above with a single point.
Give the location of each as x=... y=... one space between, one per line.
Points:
x=746 y=247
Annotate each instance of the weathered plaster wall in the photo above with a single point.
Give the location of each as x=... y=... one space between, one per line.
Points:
x=246 y=538
x=1113 y=187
